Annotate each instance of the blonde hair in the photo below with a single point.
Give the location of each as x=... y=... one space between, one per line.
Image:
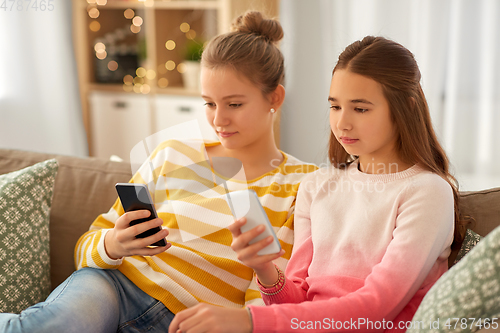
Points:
x=250 y=49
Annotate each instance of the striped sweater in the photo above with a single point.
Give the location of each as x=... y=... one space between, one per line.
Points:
x=190 y=199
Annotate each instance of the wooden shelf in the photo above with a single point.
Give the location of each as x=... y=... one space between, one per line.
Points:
x=162 y=20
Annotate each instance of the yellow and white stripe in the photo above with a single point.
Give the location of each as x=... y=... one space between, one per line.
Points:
x=200 y=266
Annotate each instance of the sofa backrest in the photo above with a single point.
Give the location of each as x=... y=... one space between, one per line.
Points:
x=84 y=188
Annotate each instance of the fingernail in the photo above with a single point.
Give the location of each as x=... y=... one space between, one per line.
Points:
x=260 y=228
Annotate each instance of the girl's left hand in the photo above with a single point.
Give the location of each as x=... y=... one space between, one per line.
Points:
x=205 y=318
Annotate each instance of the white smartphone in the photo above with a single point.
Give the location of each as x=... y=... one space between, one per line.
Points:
x=246 y=203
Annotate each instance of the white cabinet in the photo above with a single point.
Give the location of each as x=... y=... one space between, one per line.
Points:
x=118 y=122
x=173 y=110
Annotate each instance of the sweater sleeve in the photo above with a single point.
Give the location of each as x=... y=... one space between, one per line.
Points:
x=90 y=250
x=295 y=289
x=418 y=250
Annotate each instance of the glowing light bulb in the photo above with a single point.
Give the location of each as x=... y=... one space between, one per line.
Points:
x=101 y=2
x=137 y=21
x=112 y=65
x=163 y=83
x=170 y=65
x=101 y=55
x=185 y=27
x=170 y=45
x=151 y=74
x=129 y=13
x=191 y=34
x=128 y=80
x=141 y=72
x=135 y=29
x=95 y=26
x=99 y=47
x=94 y=13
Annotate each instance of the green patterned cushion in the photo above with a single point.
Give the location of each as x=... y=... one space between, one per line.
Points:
x=467 y=297
x=25 y=200
x=470 y=240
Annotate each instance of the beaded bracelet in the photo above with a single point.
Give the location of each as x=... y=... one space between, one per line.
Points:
x=280 y=275
x=278 y=284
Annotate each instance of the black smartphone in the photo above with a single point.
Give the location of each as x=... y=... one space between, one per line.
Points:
x=136 y=197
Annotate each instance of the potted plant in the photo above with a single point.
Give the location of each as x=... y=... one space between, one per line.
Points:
x=192 y=58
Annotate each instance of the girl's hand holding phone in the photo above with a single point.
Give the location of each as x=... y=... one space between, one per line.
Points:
x=247 y=253
x=121 y=241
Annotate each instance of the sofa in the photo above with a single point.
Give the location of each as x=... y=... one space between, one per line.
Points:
x=84 y=188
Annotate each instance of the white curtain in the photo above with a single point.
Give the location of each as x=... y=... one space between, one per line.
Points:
x=40 y=106
x=456 y=44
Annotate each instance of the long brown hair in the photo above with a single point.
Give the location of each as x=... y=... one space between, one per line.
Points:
x=250 y=49
x=395 y=68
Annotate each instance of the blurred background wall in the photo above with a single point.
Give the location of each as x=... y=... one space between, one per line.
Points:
x=456 y=43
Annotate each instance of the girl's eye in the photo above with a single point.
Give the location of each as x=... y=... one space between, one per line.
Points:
x=234 y=105
x=360 y=110
x=209 y=105
x=335 y=107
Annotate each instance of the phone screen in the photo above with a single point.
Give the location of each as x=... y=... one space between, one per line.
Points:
x=136 y=197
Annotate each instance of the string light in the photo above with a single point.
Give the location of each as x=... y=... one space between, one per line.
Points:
x=94 y=13
x=128 y=88
x=170 y=45
x=135 y=29
x=95 y=26
x=112 y=65
x=137 y=21
x=129 y=13
x=101 y=55
x=128 y=80
x=141 y=72
x=170 y=65
x=151 y=74
x=99 y=47
x=191 y=34
x=185 y=27
x=102 y=2
x=138 y=80
x=163 y=83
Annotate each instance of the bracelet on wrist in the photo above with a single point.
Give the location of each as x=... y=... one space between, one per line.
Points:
x=279 y=284
x=267 y=286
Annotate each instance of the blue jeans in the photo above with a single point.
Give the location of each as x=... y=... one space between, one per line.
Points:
x=92 y=300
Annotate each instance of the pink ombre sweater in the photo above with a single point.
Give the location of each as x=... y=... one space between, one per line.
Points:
x=367 y=248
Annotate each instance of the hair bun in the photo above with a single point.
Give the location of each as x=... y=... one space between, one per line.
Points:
x=253 y=22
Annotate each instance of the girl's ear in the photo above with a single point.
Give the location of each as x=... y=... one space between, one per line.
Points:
x=277 y=97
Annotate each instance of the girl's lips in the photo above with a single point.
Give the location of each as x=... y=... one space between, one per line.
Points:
x=226 y=134
x=348 y=141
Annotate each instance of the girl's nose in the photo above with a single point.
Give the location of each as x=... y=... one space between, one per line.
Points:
x=343 y=121
x=220 y=118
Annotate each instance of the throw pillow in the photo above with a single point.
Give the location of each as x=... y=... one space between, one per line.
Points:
x=470 y=240
x=467 y=297
x=25 y=200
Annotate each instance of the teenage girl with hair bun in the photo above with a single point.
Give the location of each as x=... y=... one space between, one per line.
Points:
x=373 y=232
x=122 y=284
